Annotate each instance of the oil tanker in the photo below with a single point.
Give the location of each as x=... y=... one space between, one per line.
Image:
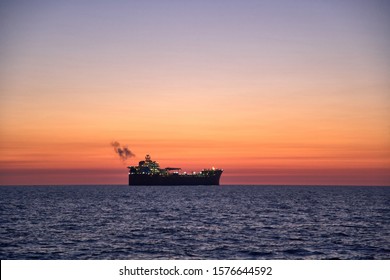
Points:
x=149 y=173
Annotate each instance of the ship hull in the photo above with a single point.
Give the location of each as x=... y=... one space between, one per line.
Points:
x=174 y=180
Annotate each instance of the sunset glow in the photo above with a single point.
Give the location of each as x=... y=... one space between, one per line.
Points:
x=273 y=92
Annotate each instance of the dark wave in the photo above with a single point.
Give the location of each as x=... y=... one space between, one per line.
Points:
x=195 y=222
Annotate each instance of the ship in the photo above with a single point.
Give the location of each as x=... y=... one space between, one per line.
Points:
x=149 y=173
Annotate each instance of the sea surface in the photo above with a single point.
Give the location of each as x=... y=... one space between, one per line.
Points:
x=194 y=222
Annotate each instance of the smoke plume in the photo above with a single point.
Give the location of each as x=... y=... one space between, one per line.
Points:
x=123 y=152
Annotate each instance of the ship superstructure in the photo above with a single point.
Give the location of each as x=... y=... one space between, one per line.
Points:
x=148 y=172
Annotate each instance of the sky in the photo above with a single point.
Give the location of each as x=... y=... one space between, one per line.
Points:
x=273 y=92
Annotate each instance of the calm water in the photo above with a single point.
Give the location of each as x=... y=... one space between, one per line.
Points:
x=201 y=222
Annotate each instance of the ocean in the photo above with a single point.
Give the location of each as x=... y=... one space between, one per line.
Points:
x=194 y=222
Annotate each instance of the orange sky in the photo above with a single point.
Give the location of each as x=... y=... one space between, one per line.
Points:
x=304 y=100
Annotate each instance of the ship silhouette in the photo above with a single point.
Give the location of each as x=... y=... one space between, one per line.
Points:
x=149 y=173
